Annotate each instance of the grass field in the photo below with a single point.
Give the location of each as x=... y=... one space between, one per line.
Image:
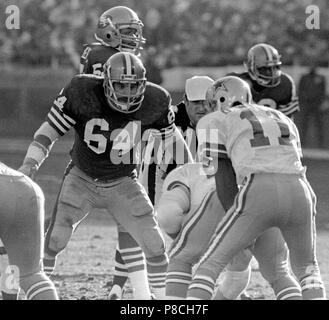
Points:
x=85 y=269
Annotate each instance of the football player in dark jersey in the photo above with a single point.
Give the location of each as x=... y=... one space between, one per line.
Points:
x=119 y=29
x=110 y=116
x=21 y=230
x=269 y=85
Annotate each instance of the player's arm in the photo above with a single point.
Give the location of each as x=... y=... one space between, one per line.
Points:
x=226 y=185
x=291 y=105
x=58 y=122
x=174 y=203
x=173 y=147
x=213 y=154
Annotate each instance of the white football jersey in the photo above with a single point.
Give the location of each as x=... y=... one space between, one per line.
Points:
x=191 y=176
x=255 y=138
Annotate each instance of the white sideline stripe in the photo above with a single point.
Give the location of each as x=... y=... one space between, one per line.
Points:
x=317 y=154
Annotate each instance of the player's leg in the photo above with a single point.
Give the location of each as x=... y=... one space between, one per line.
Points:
x=72 y=206
x=127 y=251
x=300 y=235
x=185 y=251
x=120 y=274
x=235 y=279
x=250 y=215
x=131 y=207
x=22 y=233
x=272 y=254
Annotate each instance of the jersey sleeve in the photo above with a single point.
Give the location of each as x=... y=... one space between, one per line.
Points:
x=177 y=178
x=290 y=105
x=211 y=137
x=61 y=116
x=296 y=133
x=85 y=66
x=165 y=124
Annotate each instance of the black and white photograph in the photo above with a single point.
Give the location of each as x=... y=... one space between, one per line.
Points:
x=164 y=150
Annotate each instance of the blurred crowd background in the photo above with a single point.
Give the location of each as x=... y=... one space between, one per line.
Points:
x=182 y=32
x=179 y=33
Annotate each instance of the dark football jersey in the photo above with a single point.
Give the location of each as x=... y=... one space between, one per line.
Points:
x=282 y=97
x=105 y=139
x=183 y=123
x=93 y=58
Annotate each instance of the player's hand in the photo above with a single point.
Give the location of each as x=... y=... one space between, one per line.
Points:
x=29 y=170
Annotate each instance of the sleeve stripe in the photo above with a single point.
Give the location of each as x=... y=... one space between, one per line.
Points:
x=54 y=127
x=216 y=146
x=62 y=124
x=214 y=153
x=63 y=115
x=69 y=119
x=59 y=128
x=59 y=117
x=291 y=107
x=176 y=184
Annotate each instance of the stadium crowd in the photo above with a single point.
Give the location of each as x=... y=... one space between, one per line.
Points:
x=183 y=32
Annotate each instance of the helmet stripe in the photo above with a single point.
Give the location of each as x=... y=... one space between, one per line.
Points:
x=128 y=64
x=268 y=53
x=124 y=63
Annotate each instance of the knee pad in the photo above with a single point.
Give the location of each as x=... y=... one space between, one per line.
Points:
x=57 y=240
x=153 y=243
x=274 y=265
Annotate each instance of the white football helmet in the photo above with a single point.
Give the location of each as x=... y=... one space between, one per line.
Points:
x=228 y=92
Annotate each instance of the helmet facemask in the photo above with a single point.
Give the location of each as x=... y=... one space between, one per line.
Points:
x=120 y=28
x=124 y=92
x=266 y=76
x=264 y=65
x=130 y=37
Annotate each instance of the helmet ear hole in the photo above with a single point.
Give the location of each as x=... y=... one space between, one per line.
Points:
x=108 y=36
x=222 y=99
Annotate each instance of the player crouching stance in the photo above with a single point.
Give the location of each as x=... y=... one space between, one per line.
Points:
x=189 y=211
x=258 y=149
x=21 y=231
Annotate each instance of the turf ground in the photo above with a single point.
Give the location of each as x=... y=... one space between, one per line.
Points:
x=85 y=269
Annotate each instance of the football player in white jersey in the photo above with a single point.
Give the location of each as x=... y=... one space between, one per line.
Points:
x=188 y=213
x=21 y=230
x=255 y=154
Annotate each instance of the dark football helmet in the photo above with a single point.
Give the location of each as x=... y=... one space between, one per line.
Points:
x=124 y=82
x=263 y=65
x=120 y=28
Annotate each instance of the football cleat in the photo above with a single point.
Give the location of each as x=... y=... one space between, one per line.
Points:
x=116 y=293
